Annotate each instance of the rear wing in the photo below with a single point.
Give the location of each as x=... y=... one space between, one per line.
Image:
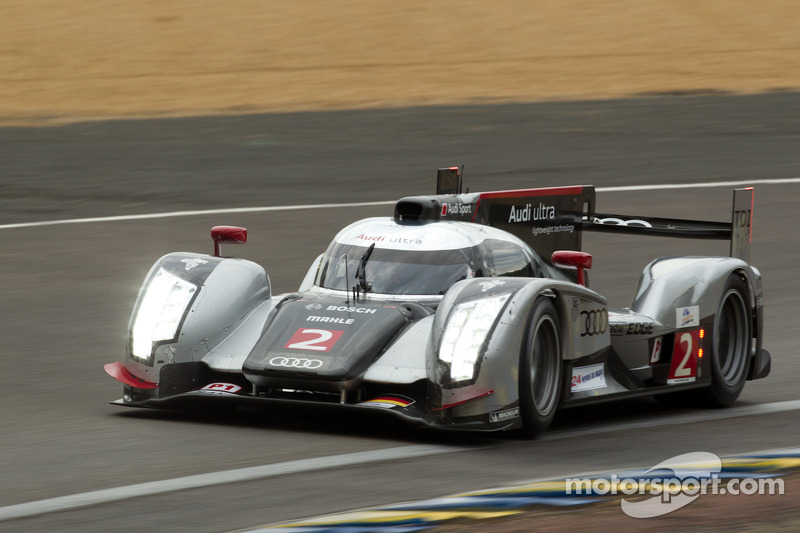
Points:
x=554 y=218
x=738 y=231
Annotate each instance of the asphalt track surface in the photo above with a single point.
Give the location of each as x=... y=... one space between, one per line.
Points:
x=68 y=290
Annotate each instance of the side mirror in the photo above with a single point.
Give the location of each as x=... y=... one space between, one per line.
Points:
x=228 y=235
x=572 y=259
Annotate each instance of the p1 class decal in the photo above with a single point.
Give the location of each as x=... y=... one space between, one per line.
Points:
x=588 y=378
x=683 y=367
x=317 y=340
x=228 y=388
x=388 y=402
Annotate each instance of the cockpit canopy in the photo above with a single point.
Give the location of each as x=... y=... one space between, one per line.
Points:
x=422 y=258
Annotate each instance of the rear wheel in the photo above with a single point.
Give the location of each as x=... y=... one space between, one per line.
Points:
x=540 y=369
x=731 y=344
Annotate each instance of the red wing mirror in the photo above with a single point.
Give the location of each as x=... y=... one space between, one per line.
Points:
x=228 y=235
x=572 y=259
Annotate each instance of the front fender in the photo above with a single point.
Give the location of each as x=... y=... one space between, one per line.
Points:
x=226 y=292
x=495 y=385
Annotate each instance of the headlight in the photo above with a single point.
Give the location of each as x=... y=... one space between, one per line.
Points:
x=465 y=333
x=160 y=313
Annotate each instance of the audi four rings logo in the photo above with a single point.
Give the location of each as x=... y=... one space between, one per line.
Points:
x=595 y=322
x=296 y=362
x=314 y=307
x=611 y=221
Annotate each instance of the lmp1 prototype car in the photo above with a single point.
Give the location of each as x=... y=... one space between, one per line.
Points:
x=466 y=311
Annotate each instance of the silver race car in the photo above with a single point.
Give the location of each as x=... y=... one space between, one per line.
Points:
x=466 y=311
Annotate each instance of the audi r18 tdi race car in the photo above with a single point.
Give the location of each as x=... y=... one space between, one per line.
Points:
x=466 y=311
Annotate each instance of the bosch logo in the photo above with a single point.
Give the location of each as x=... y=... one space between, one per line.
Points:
x=296 y=362
x=595 y=322
x=314 y=307
x=345 y=309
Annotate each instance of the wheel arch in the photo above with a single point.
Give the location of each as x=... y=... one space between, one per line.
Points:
x=759 y=359
x=670 y=283
x=499 y=368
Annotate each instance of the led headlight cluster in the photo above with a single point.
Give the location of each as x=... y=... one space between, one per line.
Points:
x=160 y=312
x=465 y=333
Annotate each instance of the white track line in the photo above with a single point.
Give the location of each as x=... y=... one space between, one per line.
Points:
x=777 y=181
x=236 y=210
x=85 y=499
x=684 y=418
x=193 y=213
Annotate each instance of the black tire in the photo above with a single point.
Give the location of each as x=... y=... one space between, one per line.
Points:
x=731 y=346
x=540 y=369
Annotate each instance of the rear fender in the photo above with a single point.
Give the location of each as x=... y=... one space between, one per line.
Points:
x=670 y=284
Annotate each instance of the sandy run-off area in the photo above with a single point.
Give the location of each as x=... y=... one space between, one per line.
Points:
x=62 y=61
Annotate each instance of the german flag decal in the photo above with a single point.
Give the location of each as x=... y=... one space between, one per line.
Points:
x=388 y=401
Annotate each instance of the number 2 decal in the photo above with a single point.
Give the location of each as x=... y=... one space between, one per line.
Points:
x=682 y=371
x=318 y=340
x=683 y=367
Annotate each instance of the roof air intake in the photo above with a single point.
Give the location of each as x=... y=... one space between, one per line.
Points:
x=416 y=208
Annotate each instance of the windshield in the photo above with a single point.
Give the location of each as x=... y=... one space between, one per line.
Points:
x=396 y=271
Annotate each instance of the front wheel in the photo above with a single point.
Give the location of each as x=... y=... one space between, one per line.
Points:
x=732 y=341
x=540 y=369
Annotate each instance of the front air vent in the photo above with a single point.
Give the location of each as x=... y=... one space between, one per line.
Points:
x=416 y=208
x=288 y=373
